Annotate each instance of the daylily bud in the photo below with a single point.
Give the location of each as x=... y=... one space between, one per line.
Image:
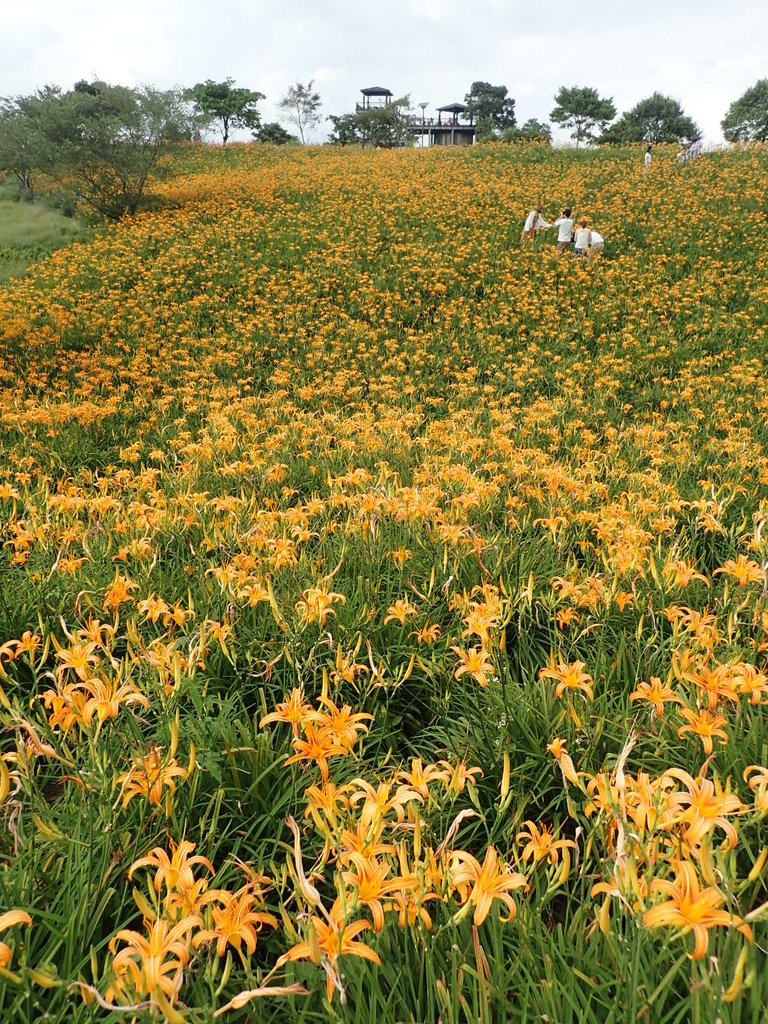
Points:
x=505 y=779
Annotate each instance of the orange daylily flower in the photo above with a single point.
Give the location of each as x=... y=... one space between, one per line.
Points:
x=295 y=711
x=705 y=806
x=490 y=881
x=8 y=920
x=153 y=773
x=420 y=776
x=236 y=921
x=705 y=725
x=569 y=677
x=476 y=663
x=329 y=940
x=151 y=965
x=342 y=723
x=743 y=570
x=318 y=746
x=174 y=872
x=563 y=758
x=540 y=844
x=371 y=885
x=379 y=801
x=691 y=908
x=657 y=694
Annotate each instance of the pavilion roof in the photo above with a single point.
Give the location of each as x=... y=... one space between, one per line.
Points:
x=454 y=108
x=376 y=90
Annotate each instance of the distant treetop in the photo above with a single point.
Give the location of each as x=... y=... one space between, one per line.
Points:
x=492 y=104
x=581 y=109
x=230 y=107
x=747 y=117
x=655 y=119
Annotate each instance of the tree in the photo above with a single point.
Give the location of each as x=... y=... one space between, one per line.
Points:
x=100 y=142
x=346 y=130
x=533 y=131
x=655 y=119
x=386 y=127
x=581 y=109
x=486 y=131
x=90 y=88
x=302 y=107
x=232 y=108
x=274 y=134
x=16 y=147
x=747 y=117
x=382 y=127
x=491 y=101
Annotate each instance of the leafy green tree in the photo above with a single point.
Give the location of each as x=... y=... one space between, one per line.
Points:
x=382 y=127
x=346 y=130
x=17 y=155
x=582 y=110
x=486 y=130
x=302 y=107
x=221 y=103
x=99 y=142
x=533 y=131
x=385 y=127
x=747 y=117
x=274 y=134
x=84 y=86
x=486 y=101
x=655 y=119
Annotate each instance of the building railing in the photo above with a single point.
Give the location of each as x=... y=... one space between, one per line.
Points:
x=436 y=122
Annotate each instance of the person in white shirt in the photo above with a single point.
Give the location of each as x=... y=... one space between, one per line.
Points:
x=564 y=227
x=533 y=222
x=596 y=245
x=648 y=157
x=582 y=239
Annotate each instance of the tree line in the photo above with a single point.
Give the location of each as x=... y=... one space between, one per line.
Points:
x=592 y=118
x=101 y=142
x=589 y=117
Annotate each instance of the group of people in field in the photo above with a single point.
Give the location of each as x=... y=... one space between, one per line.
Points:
x=579 y=237
x=688 y=152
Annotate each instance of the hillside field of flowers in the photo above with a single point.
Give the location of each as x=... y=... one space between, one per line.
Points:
x=384 y=606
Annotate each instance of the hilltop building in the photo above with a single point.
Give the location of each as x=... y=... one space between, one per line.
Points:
x=451 y=127
x=373 y=97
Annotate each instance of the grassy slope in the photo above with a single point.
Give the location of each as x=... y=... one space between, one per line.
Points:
x=29 y=231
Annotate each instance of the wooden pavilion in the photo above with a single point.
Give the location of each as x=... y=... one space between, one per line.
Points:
x=453 y=127
x=374 y=96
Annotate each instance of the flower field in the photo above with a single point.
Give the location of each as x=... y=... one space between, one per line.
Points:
x=384 y=607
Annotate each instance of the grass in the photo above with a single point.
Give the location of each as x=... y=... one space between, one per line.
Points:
x=30 y=231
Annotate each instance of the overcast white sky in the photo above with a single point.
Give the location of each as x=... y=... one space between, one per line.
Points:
x=705 y=53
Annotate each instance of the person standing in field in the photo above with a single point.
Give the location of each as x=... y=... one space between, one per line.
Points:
x=533 y=222
x=596 y=245
x=564 y=225
x=582 y=239
x=648 y=157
